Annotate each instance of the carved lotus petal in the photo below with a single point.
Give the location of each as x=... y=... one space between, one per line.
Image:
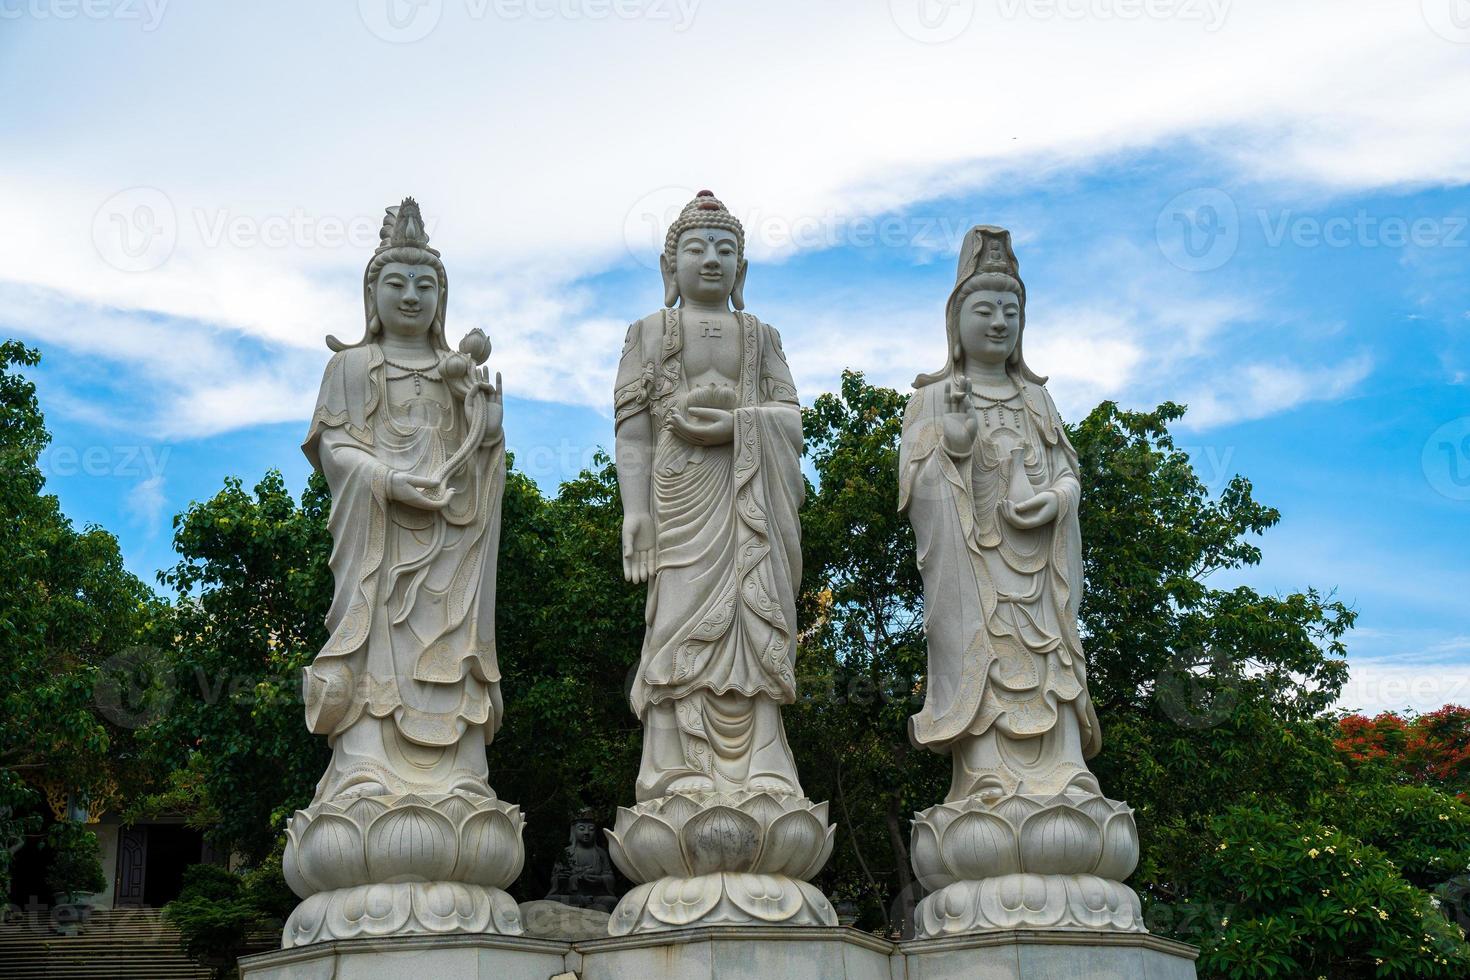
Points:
x=980 y=845
x=490 y=851
x=764 y=808
x=1060 y=840
x=1099 y=809
x=290 y=865
x=939 y=817
x=765 y=898
x=654 y=847
x=362 y=811
x=721 y=838
x=927 y=859
x=411 y=842
x=623 y=860
x=1015 y=810
x=819 y=810
x=682 y=901
x=677 y=809
x=457 y=809
x=792 y=841
x=330 y=854
x=375 y=911
x=1120 y=847
x=1029 y=899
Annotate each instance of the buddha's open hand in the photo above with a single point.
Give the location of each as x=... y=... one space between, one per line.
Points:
x=494 y=402
x=960 y=427
x=408 y=488
x=638 y=540
x=1040 y=509
x=704 y=426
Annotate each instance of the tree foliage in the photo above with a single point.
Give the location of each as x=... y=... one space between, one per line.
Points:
x=1431 y=749
x=1303 y=846
x=67 y=607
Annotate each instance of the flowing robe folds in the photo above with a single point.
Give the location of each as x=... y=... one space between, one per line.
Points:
x=407 y=687
x=719 y=648
x=1007 y=689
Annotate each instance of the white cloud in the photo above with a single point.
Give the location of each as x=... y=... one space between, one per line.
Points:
x=1253 y=391
x=146 y=501
x=1420 y=680
x=539 y=148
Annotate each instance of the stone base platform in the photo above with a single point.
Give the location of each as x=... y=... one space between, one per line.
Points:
x=737 y=953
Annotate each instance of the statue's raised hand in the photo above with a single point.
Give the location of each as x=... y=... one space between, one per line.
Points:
x=960 y=427
x=638 y=540
x=494 y=402
x=408 y=488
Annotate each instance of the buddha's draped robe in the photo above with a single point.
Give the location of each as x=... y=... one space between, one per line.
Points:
x=1005 y=659
x=411 y=656
x=719 y=649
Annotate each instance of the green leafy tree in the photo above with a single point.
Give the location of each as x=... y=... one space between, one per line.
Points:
x=67 y=608
x=252 y=587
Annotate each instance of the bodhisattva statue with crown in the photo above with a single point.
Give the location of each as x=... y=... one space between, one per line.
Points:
x=1025 y=838
x=404 y=834
x=708 y=453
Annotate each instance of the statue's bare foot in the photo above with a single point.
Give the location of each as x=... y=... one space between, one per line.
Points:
x=692 y=784
x=473 y=786
x=367 y=787
x=771 y=784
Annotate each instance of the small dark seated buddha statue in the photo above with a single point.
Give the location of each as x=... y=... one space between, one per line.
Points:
x=583 y=876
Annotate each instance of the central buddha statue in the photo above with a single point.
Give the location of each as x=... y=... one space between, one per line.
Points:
x=708 y=452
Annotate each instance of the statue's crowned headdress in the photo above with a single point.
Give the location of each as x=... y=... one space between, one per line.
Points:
x=987 y=261
x=987 y=251
x=402 y=238
x=403 y=226
x=705 y=211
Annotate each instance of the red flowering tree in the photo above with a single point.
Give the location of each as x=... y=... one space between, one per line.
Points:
x=1427 y=750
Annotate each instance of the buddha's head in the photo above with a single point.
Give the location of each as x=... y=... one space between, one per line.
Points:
x=988 y=317
x=704 y=255
x=584 y=829
x=405 y=287
x=985 y=317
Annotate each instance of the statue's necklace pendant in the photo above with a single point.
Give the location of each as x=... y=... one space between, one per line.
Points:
x=417 y=374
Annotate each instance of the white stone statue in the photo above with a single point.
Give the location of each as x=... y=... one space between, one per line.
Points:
x=988 y=479
x=708 y=453
x=405 y=834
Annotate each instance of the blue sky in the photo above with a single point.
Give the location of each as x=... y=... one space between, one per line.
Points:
x=1261 y=211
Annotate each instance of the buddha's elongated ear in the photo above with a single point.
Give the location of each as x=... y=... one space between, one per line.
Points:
x=671 y=284
x=737 y=295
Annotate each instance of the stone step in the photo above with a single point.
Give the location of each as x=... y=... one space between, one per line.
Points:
x=120 y=944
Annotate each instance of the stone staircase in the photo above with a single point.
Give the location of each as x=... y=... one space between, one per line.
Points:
x=116 y=944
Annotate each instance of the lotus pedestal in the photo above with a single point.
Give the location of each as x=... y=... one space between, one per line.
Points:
x=380 y=866
x=716 y=859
